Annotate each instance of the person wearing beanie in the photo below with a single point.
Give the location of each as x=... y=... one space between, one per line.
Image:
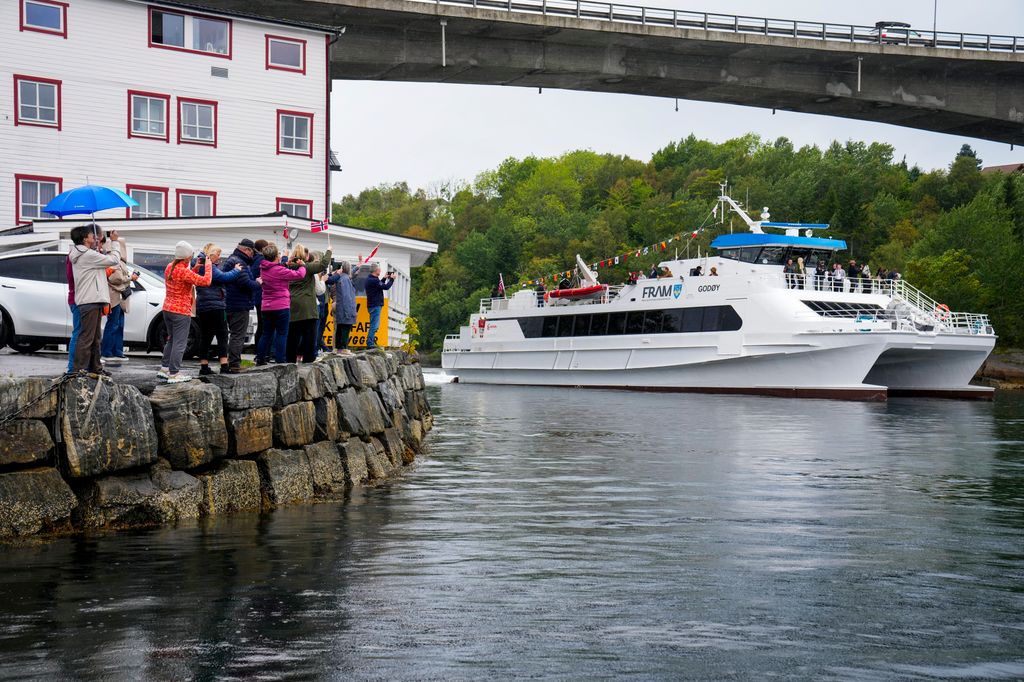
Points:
x=181 y=281
x=238 y=301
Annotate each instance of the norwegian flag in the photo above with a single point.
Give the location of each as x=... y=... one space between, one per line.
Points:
x=319 y=226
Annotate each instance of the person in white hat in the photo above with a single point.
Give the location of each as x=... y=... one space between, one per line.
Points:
x=181 y=281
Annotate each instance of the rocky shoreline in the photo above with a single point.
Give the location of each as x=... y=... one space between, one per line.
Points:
x=84 y=454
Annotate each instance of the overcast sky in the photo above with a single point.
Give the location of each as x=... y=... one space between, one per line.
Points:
x=426 y=134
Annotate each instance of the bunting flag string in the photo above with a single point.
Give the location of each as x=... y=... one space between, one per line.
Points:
x=622 y=258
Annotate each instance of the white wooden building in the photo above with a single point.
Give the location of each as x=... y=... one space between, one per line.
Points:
x=150 y=243
x=193 y=113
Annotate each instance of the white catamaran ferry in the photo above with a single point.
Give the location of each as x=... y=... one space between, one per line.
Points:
x=749 y=329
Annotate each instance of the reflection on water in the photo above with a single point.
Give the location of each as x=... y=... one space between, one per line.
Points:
x=561 y=533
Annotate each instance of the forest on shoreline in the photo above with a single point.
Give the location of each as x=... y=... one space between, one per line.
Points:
x=955 y=233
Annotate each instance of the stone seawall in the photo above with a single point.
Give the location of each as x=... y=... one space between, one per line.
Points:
x=98 y=454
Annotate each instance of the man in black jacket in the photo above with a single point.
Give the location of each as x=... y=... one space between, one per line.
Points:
x=238 y=298
x=375 y=289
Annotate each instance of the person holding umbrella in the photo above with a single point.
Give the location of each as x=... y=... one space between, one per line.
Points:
x=92 y=296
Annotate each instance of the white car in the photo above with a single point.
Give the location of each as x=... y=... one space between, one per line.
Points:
x=35 y=313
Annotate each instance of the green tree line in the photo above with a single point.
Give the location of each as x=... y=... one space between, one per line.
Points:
x=956 y=233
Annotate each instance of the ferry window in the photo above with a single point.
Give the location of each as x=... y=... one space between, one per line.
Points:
x=582 y=326
x=550 y=326
x=730 y=319
x=616 y=323
x=652 y=322
x=635 y=322
x=749 y=254
x=773 y=255
x=531 y=326
x=599 y=325
x=565 y=323
x=692 y=319
x=732 y=254
x=712 y=319
x=672 y=321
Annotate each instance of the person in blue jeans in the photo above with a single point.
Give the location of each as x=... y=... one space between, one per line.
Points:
x=375 y=289
x=76 y=319
x=119 y=281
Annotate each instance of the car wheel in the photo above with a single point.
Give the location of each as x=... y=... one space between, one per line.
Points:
x=23 y=346
x=5 y=326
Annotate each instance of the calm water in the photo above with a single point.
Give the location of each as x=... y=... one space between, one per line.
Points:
x=580 y=534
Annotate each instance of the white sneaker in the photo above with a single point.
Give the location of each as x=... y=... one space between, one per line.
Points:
x=178 y=379
x=163 y=373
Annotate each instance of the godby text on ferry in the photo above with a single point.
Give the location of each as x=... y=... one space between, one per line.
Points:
x=749 y=328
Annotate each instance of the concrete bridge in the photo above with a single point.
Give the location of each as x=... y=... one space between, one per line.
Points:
x=966 y=85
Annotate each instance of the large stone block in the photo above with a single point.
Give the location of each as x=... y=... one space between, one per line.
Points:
x=287 y=376
x=360 y=371
x=392 y=398
x=378 y=465
x=379 y=364
x=350 y=412
x=373 y=409
x=337 y=367
x=295 y=425
x=24 y=441
x=397 y=451
x=325 y=468
x=391 y=357
x=353 y=457
x=413 y=434
x=315 y=381
x=249 y=431
x=189 y=421
x=245 y=391
x=34 y=500
x=106 y=427
x=428 y=422
x=233 y=486
x=407 y=375
x=159 y=496
x=327 y=425
x=285 y=476
x=16 y=394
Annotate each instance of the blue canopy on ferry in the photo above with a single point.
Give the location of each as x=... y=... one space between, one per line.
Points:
x=734 y=241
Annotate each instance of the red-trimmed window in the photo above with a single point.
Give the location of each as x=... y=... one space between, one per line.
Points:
x=196 y=202
x=197 y=121
x=152 y=201
x=286 y=54
x=294 y=133
x=189 y=32
x=44 y=16
x=36 y=101
x=31 y=193
x=148 y=114
x=296 y=208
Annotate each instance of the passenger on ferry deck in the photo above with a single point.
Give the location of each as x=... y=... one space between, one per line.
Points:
x=820 y=273
x=838 y=275
x=564 y=283
x=540 y=294
x=801 y=273
x=665 y=272
x=696 y=272
x=654 y=273
x=865 y=278
x=714 y=272
x=853 y=274
x=790 y=272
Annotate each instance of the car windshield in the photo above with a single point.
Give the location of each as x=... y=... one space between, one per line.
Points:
x=148 y=277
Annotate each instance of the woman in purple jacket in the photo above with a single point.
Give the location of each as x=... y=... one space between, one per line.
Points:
x=276 y=306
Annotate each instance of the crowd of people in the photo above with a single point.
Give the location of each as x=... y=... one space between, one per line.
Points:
x=288 y=289
x=834 y=277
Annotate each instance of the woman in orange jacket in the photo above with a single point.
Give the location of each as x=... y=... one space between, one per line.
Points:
x=179 y=300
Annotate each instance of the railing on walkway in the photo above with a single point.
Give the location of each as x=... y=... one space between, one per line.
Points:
x=765 y=26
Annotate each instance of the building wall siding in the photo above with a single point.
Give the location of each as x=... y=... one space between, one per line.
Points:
x=105 y=55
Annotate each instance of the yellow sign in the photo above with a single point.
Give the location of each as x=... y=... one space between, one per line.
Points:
x=361 y=329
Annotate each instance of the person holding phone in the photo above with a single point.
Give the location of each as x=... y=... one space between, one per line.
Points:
x=375 y=288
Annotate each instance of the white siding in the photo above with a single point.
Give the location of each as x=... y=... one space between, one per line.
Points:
x=105 y=55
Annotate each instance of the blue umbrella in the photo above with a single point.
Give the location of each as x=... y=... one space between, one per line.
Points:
x=87 y=200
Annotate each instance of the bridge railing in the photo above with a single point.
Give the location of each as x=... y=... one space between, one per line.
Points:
x=733 y=23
